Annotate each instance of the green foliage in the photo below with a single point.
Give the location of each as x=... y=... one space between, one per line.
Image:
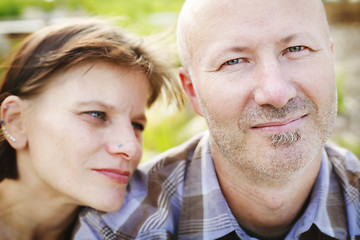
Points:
x=340 y=82
x=168 y=128
x=349 y=143
x=135 y=14
x=14 y=8
x=9 y=8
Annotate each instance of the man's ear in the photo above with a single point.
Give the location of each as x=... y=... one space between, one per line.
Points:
x=12 y=122
x=332 y=46
x=189 y=89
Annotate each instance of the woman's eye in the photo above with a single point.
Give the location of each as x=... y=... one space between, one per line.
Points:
x=138 y=126
x=99 y=115
x=296 y=48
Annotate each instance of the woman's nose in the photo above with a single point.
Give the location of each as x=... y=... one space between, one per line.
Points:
x=126 y=144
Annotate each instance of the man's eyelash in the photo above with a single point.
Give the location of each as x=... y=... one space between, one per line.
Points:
x=296 y=48
x=232 y=62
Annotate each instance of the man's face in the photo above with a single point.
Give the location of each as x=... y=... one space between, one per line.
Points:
x=264 y=79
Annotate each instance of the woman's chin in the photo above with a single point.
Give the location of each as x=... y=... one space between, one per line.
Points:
x=113 y=205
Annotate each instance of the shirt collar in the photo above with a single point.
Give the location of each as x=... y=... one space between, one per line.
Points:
x=316 y=212
x=218 y=219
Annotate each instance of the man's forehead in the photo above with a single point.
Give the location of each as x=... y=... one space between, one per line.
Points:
x=203 y=22
x=201 y=16
x=197 y=8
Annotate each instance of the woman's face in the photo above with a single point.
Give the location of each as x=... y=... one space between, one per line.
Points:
x=84 y=134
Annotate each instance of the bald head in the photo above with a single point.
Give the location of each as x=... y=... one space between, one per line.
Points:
x=189 y=19
x=200 y=17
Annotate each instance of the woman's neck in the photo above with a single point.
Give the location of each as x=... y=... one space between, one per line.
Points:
x=30 y=213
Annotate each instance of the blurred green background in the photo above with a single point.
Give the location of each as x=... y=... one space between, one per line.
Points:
x=168 y=127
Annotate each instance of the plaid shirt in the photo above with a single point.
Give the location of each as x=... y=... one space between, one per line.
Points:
x=177 y=196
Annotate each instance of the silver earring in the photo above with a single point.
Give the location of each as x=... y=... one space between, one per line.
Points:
x=120 y=145
x=6 y=133
x=4 y=129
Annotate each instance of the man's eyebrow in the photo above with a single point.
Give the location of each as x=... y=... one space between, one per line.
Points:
x=291 y=37
x=237 y=49
x=231 y=49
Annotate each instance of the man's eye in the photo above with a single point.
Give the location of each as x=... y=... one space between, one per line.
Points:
x=99 y=115
x=138 y=126
x=296 y=48
x=233 y=61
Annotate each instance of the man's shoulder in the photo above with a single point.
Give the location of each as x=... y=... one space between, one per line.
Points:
x=343 y=158
x=163 y=169
x=346 y=167
x=172 y=157
x=155 y=193
x=153 y=176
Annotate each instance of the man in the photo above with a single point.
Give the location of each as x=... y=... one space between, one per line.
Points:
x=261 y=73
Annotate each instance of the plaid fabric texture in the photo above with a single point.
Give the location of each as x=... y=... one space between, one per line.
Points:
x=170 y=198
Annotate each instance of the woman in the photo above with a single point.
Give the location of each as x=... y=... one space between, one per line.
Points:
x=72 y=115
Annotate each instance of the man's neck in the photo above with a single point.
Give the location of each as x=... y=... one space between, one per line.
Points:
x=268 y=209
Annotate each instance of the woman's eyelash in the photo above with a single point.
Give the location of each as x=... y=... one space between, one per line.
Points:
x=102 y=116
x=98 y=114
x=138 y=126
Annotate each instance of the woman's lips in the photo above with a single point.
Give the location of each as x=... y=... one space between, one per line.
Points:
x=115 y=174
x=280 y=126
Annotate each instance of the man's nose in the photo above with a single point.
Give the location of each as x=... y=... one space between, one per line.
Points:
x=274 y=86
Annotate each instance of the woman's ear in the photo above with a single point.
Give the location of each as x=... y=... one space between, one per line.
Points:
x=12 y=122
x=190 y=90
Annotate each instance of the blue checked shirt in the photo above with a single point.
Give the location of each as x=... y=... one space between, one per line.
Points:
x=177 y=196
